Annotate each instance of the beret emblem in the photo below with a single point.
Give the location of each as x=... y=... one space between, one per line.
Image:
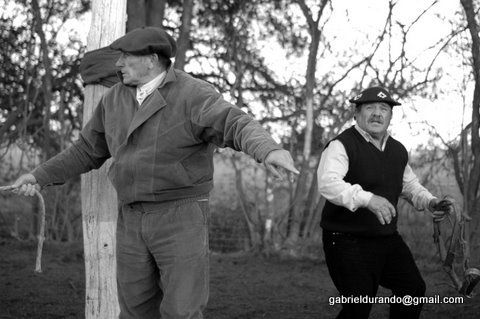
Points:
x=372 y=95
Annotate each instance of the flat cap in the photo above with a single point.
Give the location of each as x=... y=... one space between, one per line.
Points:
x=146 y=40
x=374 y=94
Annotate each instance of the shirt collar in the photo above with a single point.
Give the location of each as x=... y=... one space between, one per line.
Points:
x=146 y=89
x=152 y=84
x=370 y=139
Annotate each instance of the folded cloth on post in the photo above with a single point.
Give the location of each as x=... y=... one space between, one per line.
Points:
x=98 y=67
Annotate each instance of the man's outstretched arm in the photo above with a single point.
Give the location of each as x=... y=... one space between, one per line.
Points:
x=89 y=152
x=216 y=121
x=417 y=195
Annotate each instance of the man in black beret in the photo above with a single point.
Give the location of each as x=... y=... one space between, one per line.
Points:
x=362 y=173
x=160 y=126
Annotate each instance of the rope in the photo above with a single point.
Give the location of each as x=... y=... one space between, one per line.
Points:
x=41 y=232
x=471 y=276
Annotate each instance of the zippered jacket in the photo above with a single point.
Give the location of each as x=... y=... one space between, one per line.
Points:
x=163 y=149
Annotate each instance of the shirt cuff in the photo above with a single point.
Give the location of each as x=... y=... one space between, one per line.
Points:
x=363 y=198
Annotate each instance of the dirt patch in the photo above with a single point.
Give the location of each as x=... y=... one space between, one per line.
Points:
x=242 y=287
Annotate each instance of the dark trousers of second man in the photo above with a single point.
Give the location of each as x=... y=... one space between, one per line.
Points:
x=358 y=265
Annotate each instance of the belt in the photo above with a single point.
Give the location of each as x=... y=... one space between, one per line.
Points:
x=150 y=206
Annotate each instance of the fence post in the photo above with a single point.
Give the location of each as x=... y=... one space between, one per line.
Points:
x=99 y=203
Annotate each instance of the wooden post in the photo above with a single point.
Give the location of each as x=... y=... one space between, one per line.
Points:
x=99 y=202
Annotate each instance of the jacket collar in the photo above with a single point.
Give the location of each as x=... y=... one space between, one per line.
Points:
x=152 y=104
x=170 y=77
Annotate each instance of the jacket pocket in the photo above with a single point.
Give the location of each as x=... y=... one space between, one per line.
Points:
x=172 y=176
x=199 y=166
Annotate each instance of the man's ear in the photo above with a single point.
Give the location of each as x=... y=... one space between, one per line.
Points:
x=153 y=59
x=356 y=109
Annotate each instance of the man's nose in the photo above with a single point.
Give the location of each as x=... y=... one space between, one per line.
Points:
x=377 y=111
x=119 y=62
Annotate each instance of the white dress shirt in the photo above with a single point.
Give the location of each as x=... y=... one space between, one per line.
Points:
x=143 y=91
x=334 y=166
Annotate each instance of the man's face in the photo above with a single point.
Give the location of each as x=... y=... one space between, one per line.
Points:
x=134 y=68
x=374 y=118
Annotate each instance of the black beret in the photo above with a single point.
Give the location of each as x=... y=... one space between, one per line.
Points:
x=374 y=94
x=146 y=40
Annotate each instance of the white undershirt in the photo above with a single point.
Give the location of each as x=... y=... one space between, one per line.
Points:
x=143 y=91
x=334 y=166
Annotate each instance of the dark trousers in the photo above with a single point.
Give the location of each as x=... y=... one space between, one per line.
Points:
x=163 y=259
x=358 y=265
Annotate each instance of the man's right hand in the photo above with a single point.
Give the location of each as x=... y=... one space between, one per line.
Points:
x=24 y=185
x=382 y=208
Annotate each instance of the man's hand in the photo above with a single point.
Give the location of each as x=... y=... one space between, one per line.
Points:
x=24 y=185
x=440 y=208
x=382 y=208
x=280 y=158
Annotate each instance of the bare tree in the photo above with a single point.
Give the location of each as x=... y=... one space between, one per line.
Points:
x=467 y=159
x=145 y=13
x=183 y=41
x=313 y=23
x=152 y=13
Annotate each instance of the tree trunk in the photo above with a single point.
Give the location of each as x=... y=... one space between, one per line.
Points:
x=184 y=38
x=314 y=231
x=268 y=243
x=311 y=204
x=145 y=13
x=309 y=86
x=46 y=88
x=298 y=205
x=136 y=14
x=472 y=177
x=297 y=209
x=99 y=202
x=155 y=12
x=254 y=228
x=46 y=80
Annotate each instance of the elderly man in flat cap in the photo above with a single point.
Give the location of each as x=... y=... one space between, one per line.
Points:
x=160 y=126
x=362 y=173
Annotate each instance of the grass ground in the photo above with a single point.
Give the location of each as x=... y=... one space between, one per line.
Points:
x=242 y=287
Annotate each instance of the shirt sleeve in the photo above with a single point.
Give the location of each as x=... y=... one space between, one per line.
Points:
x=89 y=152
x=216 y=121
x=331 y=173
x=413 y=191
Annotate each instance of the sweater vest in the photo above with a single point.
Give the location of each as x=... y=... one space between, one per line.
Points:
x=376 y=171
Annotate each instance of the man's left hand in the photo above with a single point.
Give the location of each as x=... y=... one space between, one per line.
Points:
x=440 y=208
x=280 y=158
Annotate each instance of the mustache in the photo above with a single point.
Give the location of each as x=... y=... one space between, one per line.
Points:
x=376 y=119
